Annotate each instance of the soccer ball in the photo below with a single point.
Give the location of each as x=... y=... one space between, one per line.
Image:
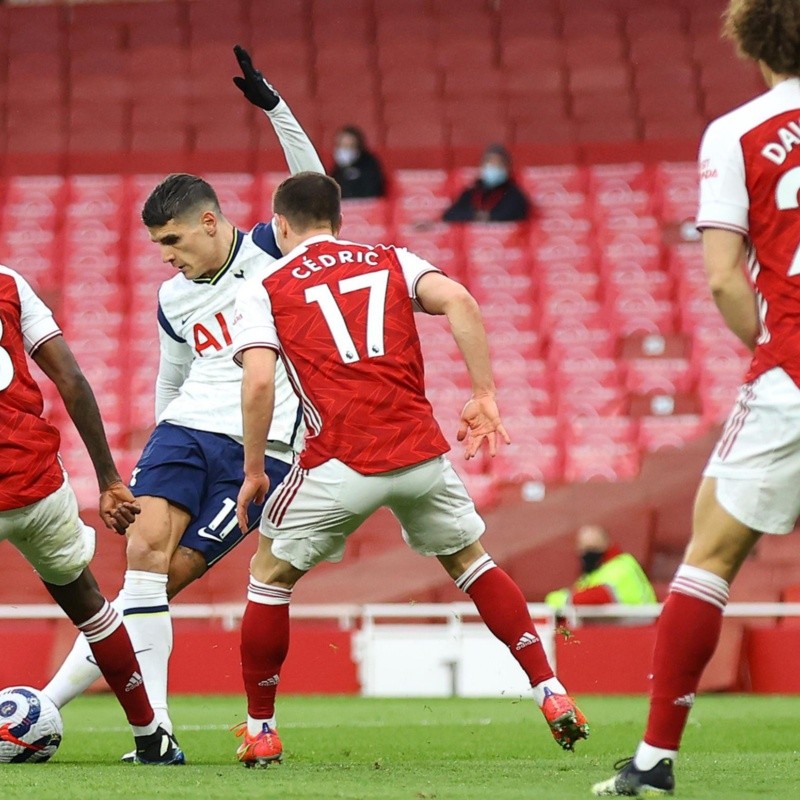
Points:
x=30 y=726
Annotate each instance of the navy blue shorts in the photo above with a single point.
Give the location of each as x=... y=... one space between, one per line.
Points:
x=202 y=473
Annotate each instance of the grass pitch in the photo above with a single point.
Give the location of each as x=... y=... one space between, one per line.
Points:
x=455 y=749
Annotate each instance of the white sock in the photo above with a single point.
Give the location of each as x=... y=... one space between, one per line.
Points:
x=149 y=625
x=541 y=690
x=648 y=756
x=255 y=726
x=78 y=670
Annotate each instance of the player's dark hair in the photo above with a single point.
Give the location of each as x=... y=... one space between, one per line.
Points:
x=176 y=196
x=766 y=30
x=309 y=200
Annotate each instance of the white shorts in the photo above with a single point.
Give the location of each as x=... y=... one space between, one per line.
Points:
x=757 y=459
x=311 y=514
x=51 y=535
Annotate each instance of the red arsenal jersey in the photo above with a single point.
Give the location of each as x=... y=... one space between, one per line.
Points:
x=342 y=317
x=749 y=183
x=29 y=467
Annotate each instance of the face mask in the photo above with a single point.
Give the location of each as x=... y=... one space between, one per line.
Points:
x=591 y=560
x=493 y=175
x=344 y=156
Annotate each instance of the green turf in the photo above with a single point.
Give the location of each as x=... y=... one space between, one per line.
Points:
x=344 y=747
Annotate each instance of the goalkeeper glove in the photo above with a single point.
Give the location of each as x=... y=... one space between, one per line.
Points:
x=253 y=85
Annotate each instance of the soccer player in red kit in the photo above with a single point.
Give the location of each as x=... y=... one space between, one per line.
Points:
x=749 y=210
x=39 y=511
x=341 y=317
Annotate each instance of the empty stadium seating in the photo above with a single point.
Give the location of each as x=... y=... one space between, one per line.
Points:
x=606 y=343
x=600 y=325
x=439 y=74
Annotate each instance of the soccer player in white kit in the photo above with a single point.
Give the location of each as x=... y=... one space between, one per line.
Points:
x=188 y=476
x=39 y=511
x=341 y=316
x=749 y=209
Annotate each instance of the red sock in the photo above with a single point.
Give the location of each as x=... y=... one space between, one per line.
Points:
x=688 y=631
x=502 y=607
x=114 y=655
x=265 y=643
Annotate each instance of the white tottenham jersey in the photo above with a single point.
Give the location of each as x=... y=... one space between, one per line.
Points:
x=195 y=319
x=198 y=385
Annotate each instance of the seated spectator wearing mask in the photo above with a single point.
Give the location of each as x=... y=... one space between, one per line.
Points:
x=607 y=574
x=356 y=169
x=494 y=197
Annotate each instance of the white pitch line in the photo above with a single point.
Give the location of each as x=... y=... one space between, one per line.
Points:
x=464 y=723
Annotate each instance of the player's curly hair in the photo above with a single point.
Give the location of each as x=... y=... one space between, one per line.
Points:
x=175 y=196
x=766 y=30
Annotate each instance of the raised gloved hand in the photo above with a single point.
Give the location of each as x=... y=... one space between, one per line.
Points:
x=253 y=85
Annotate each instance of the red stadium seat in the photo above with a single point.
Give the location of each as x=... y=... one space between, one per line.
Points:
x=659 y=46
x=691 y=125
x=659 y=375
x=602 y=105
x=611 y=462
x=522 y=461
x=549 y=130
x=38 y=29
x=524 y=52
x=642 y=314
x=485 y=285
x=613 y=77
x=411 y=81
x=601 y=372
x=577 y=342
x=568 y=283
x=657 y=433
x=581 y=21
x=420 y=195
x=622 y=281
x=607 y=130
x=601 y=430
x=504 y=336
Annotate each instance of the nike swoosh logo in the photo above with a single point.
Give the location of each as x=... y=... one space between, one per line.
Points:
x=92 y=660
x=204 y=534
x=184 y=320
x=239 y=274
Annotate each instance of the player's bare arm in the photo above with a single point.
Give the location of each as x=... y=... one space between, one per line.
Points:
x=258 y=402
x=480 y=418
x=117 y=505
x=723 y=255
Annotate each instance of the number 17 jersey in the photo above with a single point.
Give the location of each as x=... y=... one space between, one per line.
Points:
x=341 y=315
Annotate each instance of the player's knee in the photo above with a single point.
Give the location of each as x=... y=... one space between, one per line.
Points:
x=146 y=555
x=266 y=568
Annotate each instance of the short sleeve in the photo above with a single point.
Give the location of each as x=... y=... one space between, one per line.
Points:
x=253 y=323
x=263 y=235
x=724 y=202
x=37 y=320
x=413 y=268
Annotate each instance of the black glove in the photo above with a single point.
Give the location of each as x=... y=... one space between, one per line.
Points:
x=253 y=85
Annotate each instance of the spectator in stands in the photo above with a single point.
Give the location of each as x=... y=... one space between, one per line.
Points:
x=607 y=574
x=356 y=169
x=495 y=196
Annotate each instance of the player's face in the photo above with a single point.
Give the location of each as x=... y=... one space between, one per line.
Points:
x=190 y=245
